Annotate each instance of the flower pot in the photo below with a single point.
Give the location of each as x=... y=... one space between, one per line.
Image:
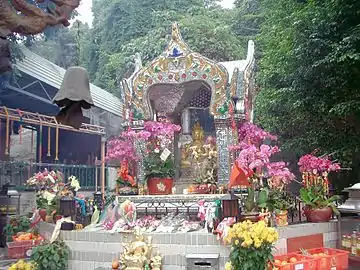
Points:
x=281 y=218
x=160 y=186
x=253 y=217
x=318 y=214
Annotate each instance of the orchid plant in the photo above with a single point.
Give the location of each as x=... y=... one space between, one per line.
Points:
x=157 y=136
x=315 y=181
x=254 y=159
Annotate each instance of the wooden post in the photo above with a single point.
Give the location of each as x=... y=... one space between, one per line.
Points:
x=96 y=174
x=103 y=141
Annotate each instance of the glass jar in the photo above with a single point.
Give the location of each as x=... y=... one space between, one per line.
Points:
x=343 y=241
x=348 y=242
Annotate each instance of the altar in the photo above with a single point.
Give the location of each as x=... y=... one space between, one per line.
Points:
x=203 y=96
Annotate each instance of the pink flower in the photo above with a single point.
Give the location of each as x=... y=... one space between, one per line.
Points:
x=253 y=134
x=279 y=174
x=313 y=164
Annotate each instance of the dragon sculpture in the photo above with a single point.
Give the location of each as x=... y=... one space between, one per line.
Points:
x=22 y=17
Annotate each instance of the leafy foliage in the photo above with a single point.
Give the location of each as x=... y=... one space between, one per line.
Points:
x=310 y=77
x=316 y=199
x=51 y=256
x=155 y=167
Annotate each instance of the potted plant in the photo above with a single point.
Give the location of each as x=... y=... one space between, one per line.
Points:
x=279 y=203
x=319 y=207
x=253 y=157
x=51 y=256
x=251 y=246
x=159 y=174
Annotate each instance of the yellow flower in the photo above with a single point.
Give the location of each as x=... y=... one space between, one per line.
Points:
x=257 y=244
x=236 y=242
x=228 y=266
x=248 y=242
x=270 y=239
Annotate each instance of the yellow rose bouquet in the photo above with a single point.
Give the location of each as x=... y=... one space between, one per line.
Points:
x=251 y=245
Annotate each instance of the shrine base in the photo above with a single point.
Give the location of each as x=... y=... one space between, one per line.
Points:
x=96 y=250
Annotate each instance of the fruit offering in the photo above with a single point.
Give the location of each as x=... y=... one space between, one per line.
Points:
x=26 y=237
x=291 y=261
x=22 y=265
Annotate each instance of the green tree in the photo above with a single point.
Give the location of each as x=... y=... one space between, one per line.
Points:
x=310 y=77
x=122 y=28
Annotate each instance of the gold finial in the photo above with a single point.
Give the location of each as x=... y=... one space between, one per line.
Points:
x=175 y=32
x=177 y=47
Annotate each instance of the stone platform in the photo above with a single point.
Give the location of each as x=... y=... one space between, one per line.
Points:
x=96 y=250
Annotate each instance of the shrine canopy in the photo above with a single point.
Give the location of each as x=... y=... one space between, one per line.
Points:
x=173 y=80
x=175 y=76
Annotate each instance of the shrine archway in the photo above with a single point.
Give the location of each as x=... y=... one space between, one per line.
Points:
x=175 y=67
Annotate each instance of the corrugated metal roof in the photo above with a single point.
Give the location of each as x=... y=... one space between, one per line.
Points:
x=51 y=74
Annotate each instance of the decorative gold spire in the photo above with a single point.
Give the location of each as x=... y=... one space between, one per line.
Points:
x=177 y=46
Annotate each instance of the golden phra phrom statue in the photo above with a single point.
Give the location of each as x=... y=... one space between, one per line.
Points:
x=198 y=140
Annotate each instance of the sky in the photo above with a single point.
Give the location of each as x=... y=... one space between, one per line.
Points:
x=85 y=14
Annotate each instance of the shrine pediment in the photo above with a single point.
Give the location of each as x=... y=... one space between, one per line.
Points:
x=177 y=65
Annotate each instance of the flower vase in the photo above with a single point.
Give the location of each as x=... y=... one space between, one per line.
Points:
x=160 y=186
x=281 y=218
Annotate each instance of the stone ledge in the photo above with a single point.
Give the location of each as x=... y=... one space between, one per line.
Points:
x=193 y=238
x=304 y=229
x=104 y=257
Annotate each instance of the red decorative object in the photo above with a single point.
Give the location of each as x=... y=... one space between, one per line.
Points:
x=160 y=77
x=170 y=76
x=318 y=215
x=160 y=186
x=21 y=249
x=194 y=74
x=183 y=76
x=42 y=214
x=307 y=242
x=239 y=177
x=204 y=76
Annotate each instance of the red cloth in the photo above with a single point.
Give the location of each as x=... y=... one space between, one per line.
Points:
x=239 y=177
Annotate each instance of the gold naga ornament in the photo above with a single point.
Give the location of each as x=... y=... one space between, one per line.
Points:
x=21 y=17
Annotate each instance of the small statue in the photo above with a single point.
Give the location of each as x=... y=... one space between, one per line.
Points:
x=137 y=254
x=156 y=262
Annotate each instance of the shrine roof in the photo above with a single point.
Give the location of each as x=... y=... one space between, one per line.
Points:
x=231 y=65
x=51 y=74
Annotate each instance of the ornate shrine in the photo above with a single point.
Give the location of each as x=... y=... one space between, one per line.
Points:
x=202 y=95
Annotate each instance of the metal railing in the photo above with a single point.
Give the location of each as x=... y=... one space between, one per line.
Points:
x=18 y=172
